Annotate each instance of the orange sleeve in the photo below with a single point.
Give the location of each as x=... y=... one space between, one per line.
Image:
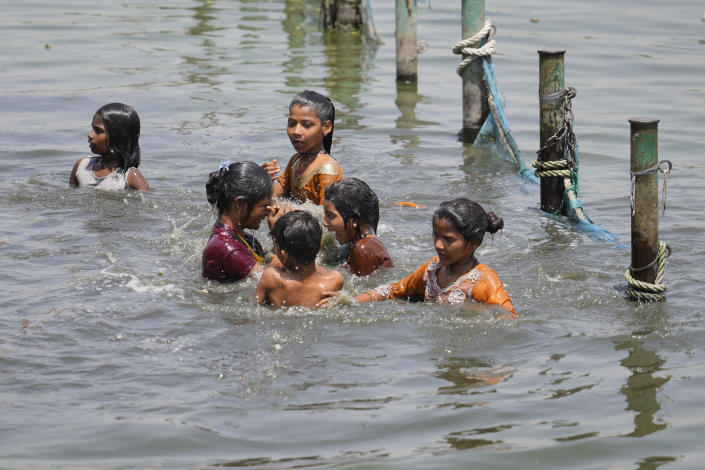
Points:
x=490 y=290
x=285 y=178
x=411 y=286
x=320 y=182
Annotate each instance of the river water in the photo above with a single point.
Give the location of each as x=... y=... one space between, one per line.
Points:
x=116 y=354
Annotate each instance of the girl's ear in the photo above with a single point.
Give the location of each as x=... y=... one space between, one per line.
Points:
x=240 y=206
x=327 y=127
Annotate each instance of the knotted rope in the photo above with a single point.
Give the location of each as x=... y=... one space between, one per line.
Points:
x=468 y=47
x=645 y=291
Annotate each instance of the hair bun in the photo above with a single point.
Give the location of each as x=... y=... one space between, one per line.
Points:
x=214 y=186
x=494 y=222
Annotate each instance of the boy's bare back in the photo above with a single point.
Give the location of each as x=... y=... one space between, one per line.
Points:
x=284 y=288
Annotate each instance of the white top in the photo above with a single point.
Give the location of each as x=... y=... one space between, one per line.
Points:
x=113 y=182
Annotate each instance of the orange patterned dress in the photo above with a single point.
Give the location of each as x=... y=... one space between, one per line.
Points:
x=480 y=284
x=313 y=187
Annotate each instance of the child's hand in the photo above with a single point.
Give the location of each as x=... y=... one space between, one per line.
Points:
x=275 y=211
x=328 y=299
x=272 y=168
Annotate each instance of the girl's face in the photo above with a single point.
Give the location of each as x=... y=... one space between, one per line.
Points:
x=305 y=129
x=98 y=137
x=333 y=221
x=451 y=246
x=259 y=211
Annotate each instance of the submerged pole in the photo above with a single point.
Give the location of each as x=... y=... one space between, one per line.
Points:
x=644 y=159
x=551 y=81
x=407 y=51
x=475 y=107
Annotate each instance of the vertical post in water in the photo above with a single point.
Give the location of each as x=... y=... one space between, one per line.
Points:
x=475 y=107
x=407 y=50
x=551 y=81
x=644 y=156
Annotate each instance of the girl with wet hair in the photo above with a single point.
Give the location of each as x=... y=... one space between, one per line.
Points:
x=311 y=169
x=242 y=194
x=114 y=137
x=454 y=275
x=351 y=211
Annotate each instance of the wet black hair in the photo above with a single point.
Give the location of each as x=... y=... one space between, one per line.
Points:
x=299 y=234
x=122 y=124
x=355 y=202
x=240 y=179
x=469 y=218
x=323 y=107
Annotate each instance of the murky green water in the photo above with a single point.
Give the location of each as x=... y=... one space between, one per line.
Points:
x=115 y=353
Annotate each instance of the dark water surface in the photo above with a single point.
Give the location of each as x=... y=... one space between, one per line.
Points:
x=115 y=353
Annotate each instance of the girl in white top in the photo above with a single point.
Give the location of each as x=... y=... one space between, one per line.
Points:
x=114 y=137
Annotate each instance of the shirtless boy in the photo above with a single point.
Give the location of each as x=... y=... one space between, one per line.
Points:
x=299 y=282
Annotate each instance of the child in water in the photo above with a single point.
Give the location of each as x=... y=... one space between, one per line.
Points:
x=242 y=193
x=454 y=275
x=114 y=137
x=311 y=169
x=351 y=211
x=298 y=282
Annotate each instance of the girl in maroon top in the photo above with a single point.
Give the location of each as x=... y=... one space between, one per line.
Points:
x=351 y=211
x=242 y=193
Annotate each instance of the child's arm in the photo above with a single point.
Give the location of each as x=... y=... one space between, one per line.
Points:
x=411 y=286
x=73 y=182
x=135 y=180
x=490 y=290
x=264 y=286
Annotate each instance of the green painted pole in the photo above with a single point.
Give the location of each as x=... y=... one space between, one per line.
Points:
x=644 y=156
x=551 y=80
x=407 y=50
x=475 y=107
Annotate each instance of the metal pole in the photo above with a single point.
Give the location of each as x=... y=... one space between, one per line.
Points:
x=551 y=80
x=475 y=107
x=644 y=156
x=407 y=51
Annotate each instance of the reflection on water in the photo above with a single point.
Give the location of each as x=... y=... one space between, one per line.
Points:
x=642 y=387
x=297 y=30
x=346 y=65
x=468 y=373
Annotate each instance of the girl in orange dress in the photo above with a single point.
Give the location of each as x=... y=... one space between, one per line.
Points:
x=351 y=211
x=311 y=169
x=454 y=275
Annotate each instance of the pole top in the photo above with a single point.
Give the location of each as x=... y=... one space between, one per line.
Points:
x=642 y=121
x=551 y=51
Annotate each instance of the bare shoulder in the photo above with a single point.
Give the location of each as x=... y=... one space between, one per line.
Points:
x=324 y=158
x=135 y=180
x=271 y=277
x=332 y=278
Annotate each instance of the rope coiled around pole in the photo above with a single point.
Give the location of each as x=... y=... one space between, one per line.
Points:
x=567 y=167
x=468 y=47
x=645 y=291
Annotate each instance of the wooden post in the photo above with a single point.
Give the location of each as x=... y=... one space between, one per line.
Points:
x=407 y=51
x=475 y=107
x=551 y=80
x=644 y=156
x=341 y=14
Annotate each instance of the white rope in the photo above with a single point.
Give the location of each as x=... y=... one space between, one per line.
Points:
x=466 y=46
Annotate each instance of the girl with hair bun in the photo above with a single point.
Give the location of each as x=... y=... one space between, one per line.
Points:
x=311 y=169
x=455 y=275
x=242 y=194
x=114 y=137
x=351 y=211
